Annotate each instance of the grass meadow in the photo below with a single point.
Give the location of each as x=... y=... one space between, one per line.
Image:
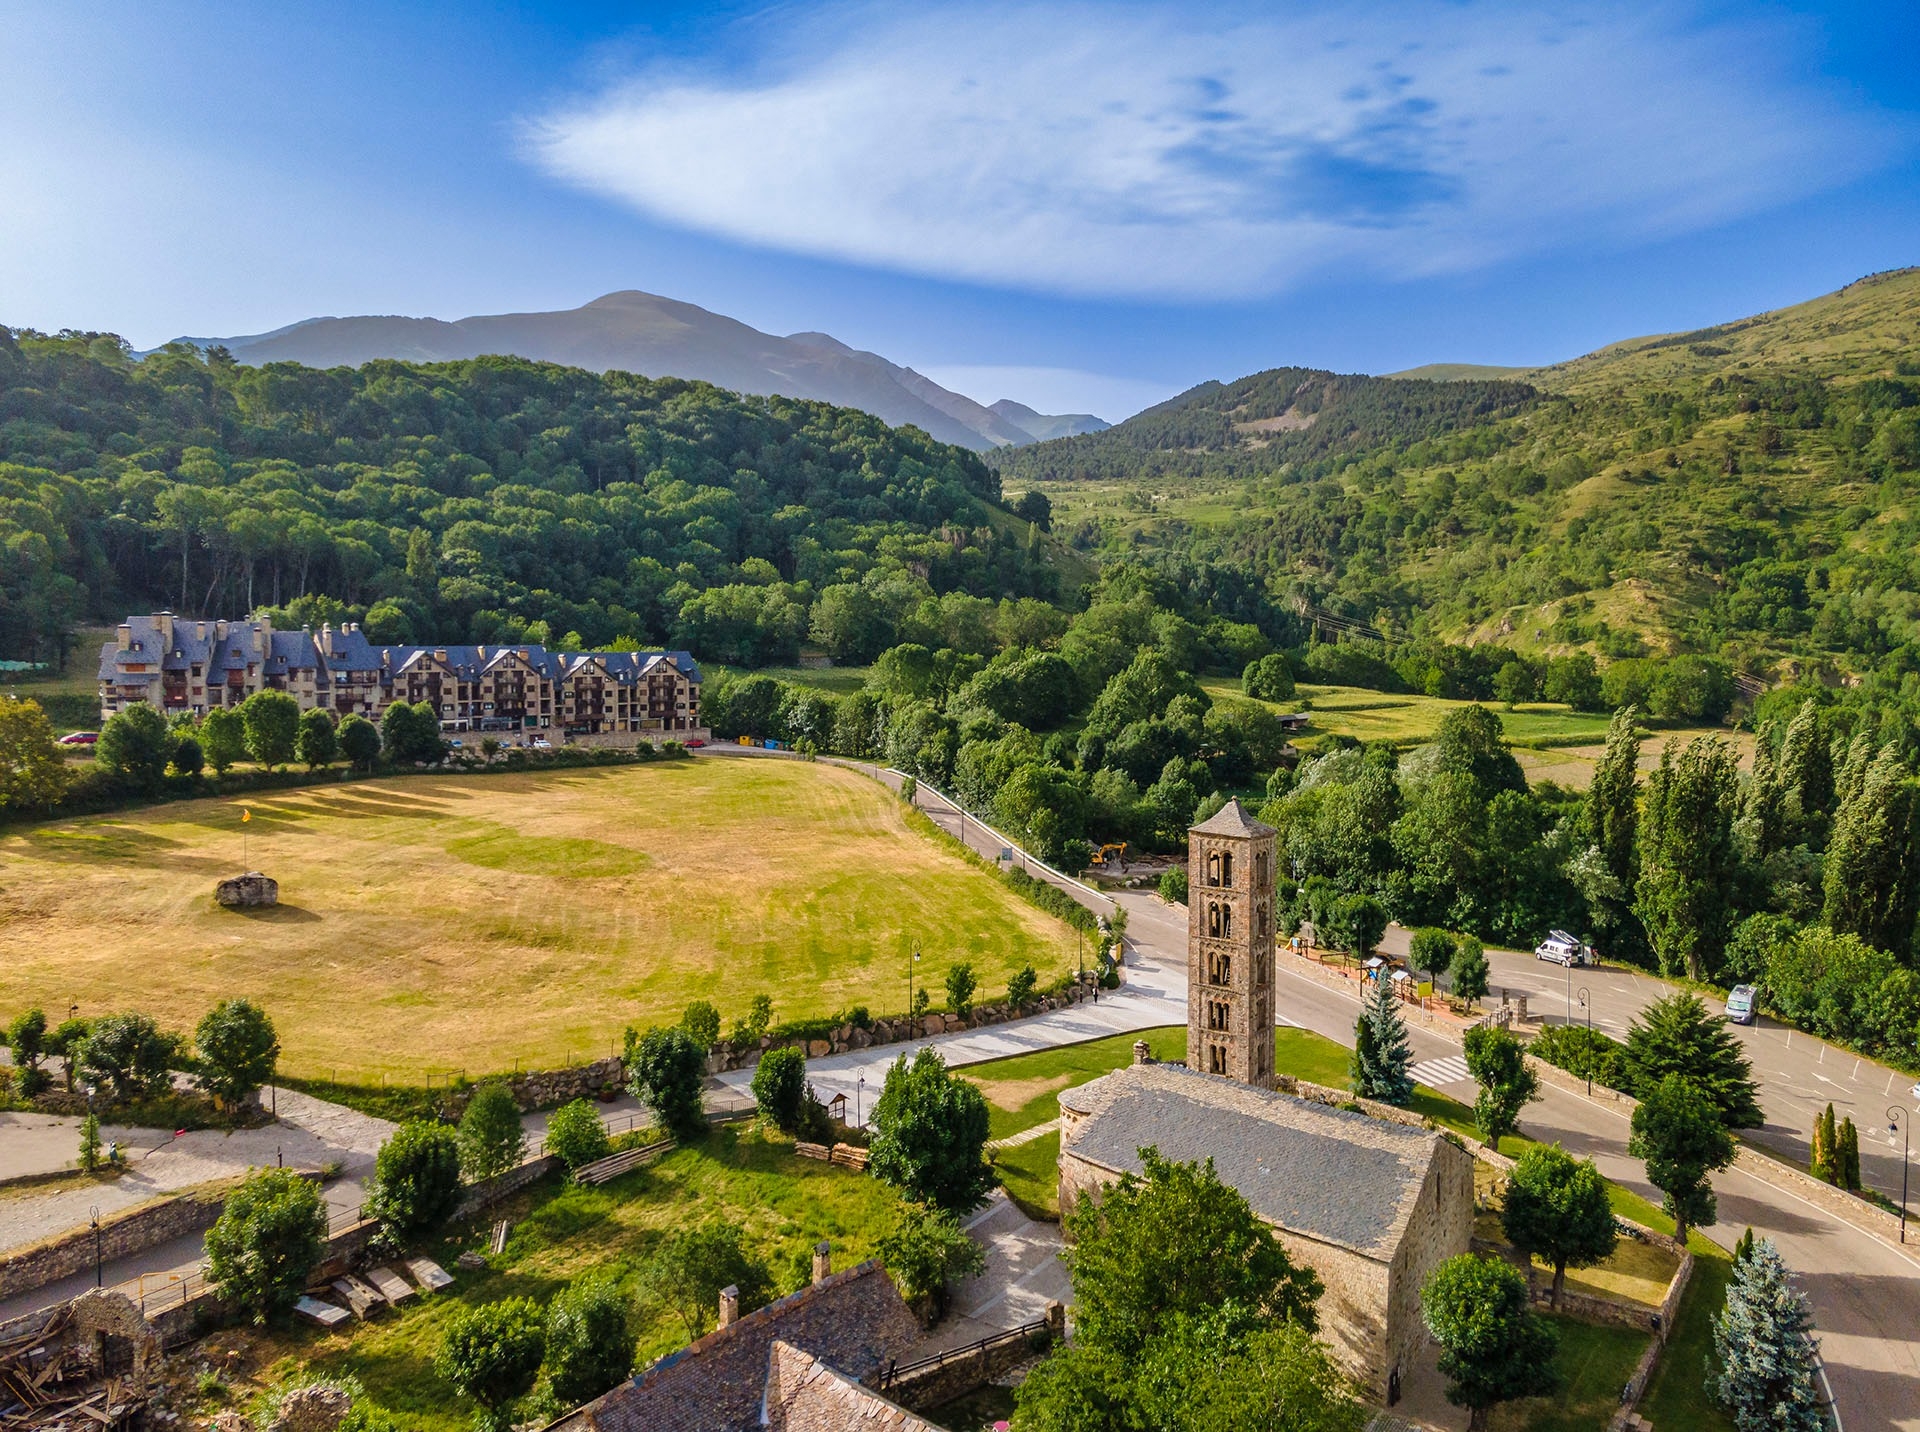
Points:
x=440 y=924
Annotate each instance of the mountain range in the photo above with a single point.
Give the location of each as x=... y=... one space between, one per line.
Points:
x=661 y=337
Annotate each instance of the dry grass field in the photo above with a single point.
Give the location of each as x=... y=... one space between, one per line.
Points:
x=441 y=924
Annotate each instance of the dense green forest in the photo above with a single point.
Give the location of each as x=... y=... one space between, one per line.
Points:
x=1745 y=492
x=489 y=500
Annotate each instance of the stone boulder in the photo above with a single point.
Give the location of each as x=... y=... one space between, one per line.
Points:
x=248 y=892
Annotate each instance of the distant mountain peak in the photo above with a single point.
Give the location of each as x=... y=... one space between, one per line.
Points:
x=648 y=333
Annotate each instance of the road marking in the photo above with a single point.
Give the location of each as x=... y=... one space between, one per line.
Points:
x=1438 y=1073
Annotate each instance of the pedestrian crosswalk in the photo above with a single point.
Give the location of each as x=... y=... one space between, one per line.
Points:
x=1438 y=1073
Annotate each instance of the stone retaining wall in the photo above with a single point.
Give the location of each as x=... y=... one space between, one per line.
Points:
x=974 y=1368
x=122 y=1235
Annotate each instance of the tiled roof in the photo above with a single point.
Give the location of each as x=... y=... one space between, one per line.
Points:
x=1332 y=1174
x=1232 y=819
x=855 y=1321
x=805 y=1395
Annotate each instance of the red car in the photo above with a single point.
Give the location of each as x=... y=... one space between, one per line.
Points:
x=695 y=744
x=79 y=738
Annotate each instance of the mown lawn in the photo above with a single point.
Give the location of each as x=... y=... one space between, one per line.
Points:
x=434 y=925
x=1594 y=1363
x=783 y=1205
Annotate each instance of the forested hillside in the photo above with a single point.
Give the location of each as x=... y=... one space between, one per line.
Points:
x=1744 y=491
x=491 y=499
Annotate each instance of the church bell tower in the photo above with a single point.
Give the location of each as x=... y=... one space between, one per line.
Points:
x=1230 y=934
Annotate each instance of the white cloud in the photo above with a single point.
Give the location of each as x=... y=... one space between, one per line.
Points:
x=1144 y=151
x=1052 y=390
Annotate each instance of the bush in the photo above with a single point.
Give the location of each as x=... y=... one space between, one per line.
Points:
x=758 y=1017
x=491 y=1138
x=576 y=1136
x=1582 y=1052
x=238 y=1050
x=416 y=1182
x=926 y=1251
x=780 y=1087
x=702 y=1021
x=666 y=1071
x=492 y=1354
x=1020 y=987
x=960 y=987
x=267 y=1242
x=590 y=1340
x=1173 y=886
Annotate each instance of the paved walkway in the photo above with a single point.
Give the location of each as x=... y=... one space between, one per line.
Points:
x=1023 y=1274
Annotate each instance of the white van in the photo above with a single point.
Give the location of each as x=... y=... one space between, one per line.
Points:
x=1562 y=949
x=1741 y=1004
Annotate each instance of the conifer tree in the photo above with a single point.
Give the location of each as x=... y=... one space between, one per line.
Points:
x=1768 y=1361
x=1872 y=855
x=1851 y=772
x=1385 y=1073
x=1743 y=1247
x=1847 y=1156
x=1806 y=777
x=1820 y=1162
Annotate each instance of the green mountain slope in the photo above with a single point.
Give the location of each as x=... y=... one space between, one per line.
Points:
x=1746 y=490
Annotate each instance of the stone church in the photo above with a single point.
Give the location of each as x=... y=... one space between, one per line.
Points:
x=1372 y=1205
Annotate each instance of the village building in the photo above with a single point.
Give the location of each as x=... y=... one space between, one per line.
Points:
x=1370 y=1204
x=796 y=1365
x=194 y=666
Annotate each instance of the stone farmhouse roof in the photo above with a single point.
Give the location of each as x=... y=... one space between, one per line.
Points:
x=1329 y=1174
x=855 y=1322
x=1232 y=819
x=805 y=1395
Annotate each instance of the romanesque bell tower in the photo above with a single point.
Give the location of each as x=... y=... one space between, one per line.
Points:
x=1230 y=934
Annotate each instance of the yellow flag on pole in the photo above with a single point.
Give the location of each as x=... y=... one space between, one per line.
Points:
x=245 y=814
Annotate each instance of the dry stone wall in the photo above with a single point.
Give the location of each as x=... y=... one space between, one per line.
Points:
x=122 y=1235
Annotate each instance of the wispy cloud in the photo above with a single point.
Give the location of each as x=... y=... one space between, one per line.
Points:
x=1154 y=151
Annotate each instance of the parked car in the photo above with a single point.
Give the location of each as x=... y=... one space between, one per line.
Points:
x=1563 y=949
x=695 y=744
x=541 y=743
x=1742 y=1004
x=79 y=738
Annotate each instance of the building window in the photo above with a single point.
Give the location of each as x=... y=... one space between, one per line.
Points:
x=1226 y=868
x=1260 y=870
x=1218 y=1014
x=1219 y=968
x=1216 y=1059
x=1213 y=868
x=1219 y=921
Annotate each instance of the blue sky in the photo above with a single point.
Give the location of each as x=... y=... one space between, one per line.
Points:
x=1079 y=206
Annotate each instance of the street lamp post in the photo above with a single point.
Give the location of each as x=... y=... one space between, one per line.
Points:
x=859 y=1088
x=1587 y=1004
x=95 y=1212
x=1897 y=1123
x=912 y=1023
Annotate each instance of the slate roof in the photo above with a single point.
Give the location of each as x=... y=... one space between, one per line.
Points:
x=1232 y=819
x=855 y=1321
x=805 y=1395
x=1331 y=1174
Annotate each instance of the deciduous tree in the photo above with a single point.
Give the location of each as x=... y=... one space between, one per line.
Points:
x=33 y=774
x=665 y=1071
x=491 y=1353
x=1556 y=1209
x=491 y=1138
x=1687 y=857
x=1678 y=1132
x=1492 y=1348
x=416 y=1182
x=929 y=1134
x=315 y=741
x=1499 y=1066
x=691 y=1267
x=238 y=1050
x=590 y=1337
x=268 y=1240
x=272 y=720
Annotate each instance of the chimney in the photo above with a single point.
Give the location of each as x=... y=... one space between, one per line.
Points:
x=220 y=629
x=125 y=636
x=200 y=630
x=1141 y=1053
x=822 y=1261
x=164 y=620
x=729 y=1305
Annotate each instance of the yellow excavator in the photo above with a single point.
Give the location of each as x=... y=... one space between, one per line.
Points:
x=1112 y=856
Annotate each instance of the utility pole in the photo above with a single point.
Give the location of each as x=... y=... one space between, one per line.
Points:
x=1587 y=1005
x=1902 y=1125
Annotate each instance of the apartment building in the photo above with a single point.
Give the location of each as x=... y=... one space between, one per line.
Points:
x=180 y=665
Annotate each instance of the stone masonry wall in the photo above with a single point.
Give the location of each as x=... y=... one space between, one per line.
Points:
x=1441 y=1226
x=122 y=1235
x=974 y=1368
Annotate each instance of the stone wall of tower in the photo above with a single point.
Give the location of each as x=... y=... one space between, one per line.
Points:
x=1230 y=956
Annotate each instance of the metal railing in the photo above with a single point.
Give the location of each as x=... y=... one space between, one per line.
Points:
x=1025 y=1332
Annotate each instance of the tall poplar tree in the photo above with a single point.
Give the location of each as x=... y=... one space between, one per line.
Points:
x=1687 y=857
x=1871 y=859
x=1610 y=821
x=1806 y=776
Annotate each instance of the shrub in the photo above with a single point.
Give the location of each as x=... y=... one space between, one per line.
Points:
x=238 y=1050
x=702 y=1021
x=780 y=1087
x=1173 y=886
x=1269 y=679
x=1582 y=1052
x=960 y=987
x=759 y=1016
x=267 y=1242
x=576 y=1136
x=416 y=1181
x=926 y=1251
x=491 y=1138
x=492 y=1354
x=590 y=1340
x=90 y=1143
x=1020 y=987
